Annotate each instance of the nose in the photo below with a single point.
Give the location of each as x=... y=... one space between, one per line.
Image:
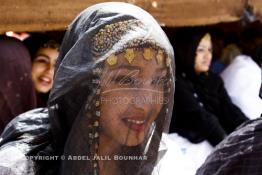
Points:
x=145 y=97
x=50 y=68
x=208 y=55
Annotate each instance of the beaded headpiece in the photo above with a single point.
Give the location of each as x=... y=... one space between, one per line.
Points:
x=110 y=34
x=106 y=37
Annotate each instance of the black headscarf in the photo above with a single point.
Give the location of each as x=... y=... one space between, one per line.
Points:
x=185 y=43
x=16 y=87
x=84 y=51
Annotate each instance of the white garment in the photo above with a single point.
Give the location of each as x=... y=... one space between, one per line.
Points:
x=242 y=80
x=179 y=156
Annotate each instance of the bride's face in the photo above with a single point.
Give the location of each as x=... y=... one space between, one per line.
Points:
x=132 y=97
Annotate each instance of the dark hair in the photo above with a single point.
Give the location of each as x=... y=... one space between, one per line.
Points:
x=38 y=40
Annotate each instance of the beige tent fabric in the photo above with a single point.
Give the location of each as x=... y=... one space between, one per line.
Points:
x=38 y=15
x=256 y=6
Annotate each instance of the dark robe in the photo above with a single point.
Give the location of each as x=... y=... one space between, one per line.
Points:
x=16 y=88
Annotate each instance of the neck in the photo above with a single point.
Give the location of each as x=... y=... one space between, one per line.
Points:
x=107 y=146
x=107 y=149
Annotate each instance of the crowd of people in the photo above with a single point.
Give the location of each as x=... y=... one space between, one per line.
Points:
x=117 y=98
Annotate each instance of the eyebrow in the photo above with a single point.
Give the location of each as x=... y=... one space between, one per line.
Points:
x=46 y=56
x=161 y=69
x=127 y=67
x=42 y=55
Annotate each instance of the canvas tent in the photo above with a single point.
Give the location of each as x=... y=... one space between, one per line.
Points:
x=48 y=15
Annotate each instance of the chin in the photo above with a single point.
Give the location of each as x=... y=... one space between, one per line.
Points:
x=134 y=141
x=43 y=90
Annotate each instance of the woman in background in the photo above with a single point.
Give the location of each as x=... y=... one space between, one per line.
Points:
x=44 y=52
x=202 y=107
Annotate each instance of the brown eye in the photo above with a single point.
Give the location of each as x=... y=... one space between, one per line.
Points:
x=200 y=50
x=158 y=81
x=124 y=80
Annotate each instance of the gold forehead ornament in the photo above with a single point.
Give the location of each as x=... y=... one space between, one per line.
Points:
x=147 y=55
x=206 y=37
x=112 y=60
x=130 y=55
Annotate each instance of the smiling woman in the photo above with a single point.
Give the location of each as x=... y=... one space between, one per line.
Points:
x=44 y=52
x=125 y=111
x=132 y=83
x=112 y=97
x=43 y=69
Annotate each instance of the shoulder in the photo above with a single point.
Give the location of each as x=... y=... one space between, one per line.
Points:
x=183 y=83
x=214 y=77
x=238 y=153
x=175 y=156
x=26 y=133
x=14 y=162
x=242 y=66
x=32 y=122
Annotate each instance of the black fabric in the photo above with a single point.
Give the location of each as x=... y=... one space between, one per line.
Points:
x=239 y=154
x=16 y=88
x=212 y=121
x=26 y=135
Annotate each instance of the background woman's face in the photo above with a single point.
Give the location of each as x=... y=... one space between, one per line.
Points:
x=132 y=96
x=43 y=69
x=203 y=56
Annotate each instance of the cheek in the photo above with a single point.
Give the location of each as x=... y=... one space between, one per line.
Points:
x=198 y=58
x=37 y=69
x=155 y=107
x=113 y=105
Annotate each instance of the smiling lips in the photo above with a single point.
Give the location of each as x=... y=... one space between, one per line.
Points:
x=45 y=81
x=137 y=124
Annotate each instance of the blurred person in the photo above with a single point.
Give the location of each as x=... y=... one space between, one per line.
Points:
x=218 y=40
x=229 y=53
x=44 y=52
x=202 y=108
x=242 y=82
x=16 y=87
